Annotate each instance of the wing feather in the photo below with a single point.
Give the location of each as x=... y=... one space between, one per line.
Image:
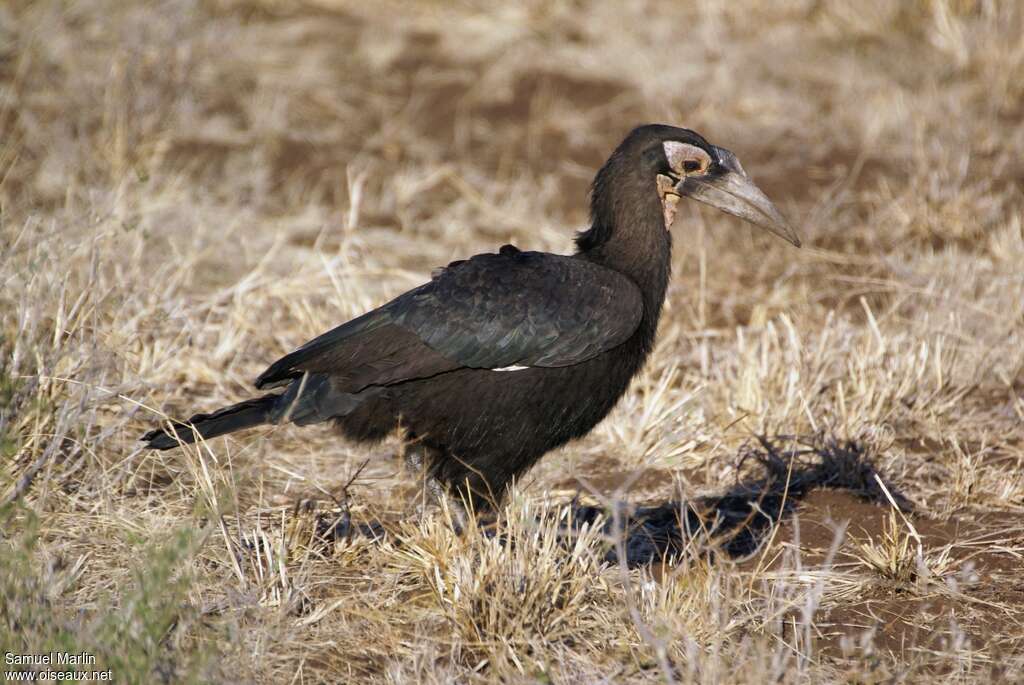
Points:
x=491 y=311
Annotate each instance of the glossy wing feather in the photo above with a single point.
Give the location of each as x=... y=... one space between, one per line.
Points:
x=492 y=311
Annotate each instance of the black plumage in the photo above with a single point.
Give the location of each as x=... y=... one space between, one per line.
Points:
x=502 y=357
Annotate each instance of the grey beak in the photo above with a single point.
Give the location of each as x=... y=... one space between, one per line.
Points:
x=734 y=193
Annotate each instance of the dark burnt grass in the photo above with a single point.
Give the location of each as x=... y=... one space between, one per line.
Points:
x=737 y=522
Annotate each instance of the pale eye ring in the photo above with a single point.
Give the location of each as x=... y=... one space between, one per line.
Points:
x=686 y=159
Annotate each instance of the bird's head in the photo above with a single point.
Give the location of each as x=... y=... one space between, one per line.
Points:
x=678 y=163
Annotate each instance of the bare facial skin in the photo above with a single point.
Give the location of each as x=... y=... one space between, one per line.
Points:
x=669 y=199
x=684 y=159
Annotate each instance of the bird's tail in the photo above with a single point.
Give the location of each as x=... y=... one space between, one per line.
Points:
x=227 y=420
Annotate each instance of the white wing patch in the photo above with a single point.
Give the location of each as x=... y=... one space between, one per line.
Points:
x=511 y=368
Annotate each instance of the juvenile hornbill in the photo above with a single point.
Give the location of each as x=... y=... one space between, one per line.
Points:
x=503 y=357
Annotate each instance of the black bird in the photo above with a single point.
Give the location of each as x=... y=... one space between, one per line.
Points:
x=503 y=357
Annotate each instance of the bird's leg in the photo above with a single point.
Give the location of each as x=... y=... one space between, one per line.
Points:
x=460 y=517
x=418 y=461
x=413 y=453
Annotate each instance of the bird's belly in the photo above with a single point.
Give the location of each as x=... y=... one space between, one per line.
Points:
x=488 y=427
x=518 y=414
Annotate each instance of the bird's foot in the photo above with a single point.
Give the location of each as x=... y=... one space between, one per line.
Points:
x=435 y=495
x=432 y=492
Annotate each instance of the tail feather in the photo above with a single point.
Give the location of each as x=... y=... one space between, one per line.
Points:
x=246 y=414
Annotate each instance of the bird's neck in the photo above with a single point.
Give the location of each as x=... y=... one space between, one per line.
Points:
x=637 y=245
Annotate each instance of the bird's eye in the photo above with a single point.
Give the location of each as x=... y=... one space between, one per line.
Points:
x=685 y=159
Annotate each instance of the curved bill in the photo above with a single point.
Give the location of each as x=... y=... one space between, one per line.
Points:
x=734 y=193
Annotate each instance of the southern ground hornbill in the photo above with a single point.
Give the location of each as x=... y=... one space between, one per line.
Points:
x=503 y=357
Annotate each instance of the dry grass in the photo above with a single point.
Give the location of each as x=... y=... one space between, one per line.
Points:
x=190 y=188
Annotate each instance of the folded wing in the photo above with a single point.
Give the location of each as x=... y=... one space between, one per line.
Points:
x=492 y=311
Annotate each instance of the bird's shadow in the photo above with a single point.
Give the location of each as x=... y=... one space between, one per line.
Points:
x=734 y=524
x=737 y=522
